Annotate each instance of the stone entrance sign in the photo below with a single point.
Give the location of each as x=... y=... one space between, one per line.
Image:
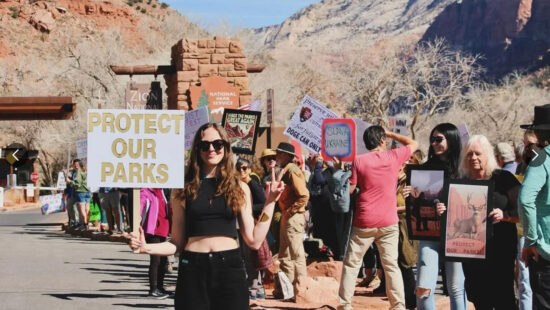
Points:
x=217 y=95
x=141 y=96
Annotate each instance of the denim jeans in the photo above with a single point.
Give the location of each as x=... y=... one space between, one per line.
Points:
x=428 y=270
x=211 y=281
x=524 y=288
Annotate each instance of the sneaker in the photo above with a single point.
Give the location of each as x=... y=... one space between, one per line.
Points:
x=169 y=293
x=375 y=283
x=157 y=294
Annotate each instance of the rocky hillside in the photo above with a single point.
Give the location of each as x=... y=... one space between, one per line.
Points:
x=344 y=24
x=65 y=47
x=510 y=34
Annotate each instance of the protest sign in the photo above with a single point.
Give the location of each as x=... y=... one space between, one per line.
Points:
x=81 y=148
x=464 y=134
x=360 y=127
x=242 y=128
x=136 y=148
x=193 y=121
x=338 y=139
x=52 y=204
x=305 y=124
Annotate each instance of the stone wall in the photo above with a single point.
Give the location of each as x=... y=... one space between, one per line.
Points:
x=202 y=58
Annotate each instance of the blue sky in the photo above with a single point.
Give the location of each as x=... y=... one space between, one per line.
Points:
x=238 y=13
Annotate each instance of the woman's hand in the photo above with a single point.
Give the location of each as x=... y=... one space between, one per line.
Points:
x=497 y=215
x=137 y=242
x=274 y=188
x=406 y=191
x=440 y=208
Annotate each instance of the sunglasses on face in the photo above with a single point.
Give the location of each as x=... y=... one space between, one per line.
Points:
x=270 y=158
x=436 y=139
x=242 y=168
x=217 y=144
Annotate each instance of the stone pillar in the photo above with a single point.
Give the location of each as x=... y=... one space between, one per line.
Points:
x=202 y=58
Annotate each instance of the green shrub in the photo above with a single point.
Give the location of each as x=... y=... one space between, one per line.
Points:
x=154 y=5
x=138 y=8
x=143 y=11
x=164 y=5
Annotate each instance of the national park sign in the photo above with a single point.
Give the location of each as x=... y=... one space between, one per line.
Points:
x=215 y=94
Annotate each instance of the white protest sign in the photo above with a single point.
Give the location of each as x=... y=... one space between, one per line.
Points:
x=360 y=127
x=193 y=121
x=305 y=124
x=464 y=134
x=61 y=184
x=81 y=148
x=30 y=190
x=398 y=125
x=136 y=148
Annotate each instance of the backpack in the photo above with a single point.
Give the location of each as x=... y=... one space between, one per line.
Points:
x=338 y=187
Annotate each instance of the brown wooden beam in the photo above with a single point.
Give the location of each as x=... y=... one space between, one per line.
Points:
x=160 y=70
x=143 y=70
x=255 y=68
x=6 y=101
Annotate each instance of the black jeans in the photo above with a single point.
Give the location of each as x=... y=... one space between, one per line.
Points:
x=211 y=281
x=539 y=277
x=157 y=265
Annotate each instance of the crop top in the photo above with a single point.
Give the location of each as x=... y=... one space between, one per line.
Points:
x=208 y=215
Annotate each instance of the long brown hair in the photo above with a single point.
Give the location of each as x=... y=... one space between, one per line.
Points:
x=228 y=184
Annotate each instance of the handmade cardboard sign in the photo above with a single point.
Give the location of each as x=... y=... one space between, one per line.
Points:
x=136 y=148
x=305 y=124
x=193 y=121
x=338 y=139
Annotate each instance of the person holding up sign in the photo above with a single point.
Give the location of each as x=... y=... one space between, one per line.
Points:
x=211 y=270
x=375 y=220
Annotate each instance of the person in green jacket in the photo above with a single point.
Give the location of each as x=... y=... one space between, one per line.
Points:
x=83 y=194
x=534 y=211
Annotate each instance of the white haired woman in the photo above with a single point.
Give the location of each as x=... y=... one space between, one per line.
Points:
x=490 y=283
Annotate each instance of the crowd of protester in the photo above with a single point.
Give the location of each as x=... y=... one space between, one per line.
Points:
x=238 y=212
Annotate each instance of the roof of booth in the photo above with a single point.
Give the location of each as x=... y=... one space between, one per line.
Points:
x=36 y=108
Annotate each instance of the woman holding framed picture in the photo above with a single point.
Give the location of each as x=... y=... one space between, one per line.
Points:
x=489 y=282
x=443 y=154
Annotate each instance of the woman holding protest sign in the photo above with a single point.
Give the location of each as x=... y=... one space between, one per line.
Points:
x=211 y=270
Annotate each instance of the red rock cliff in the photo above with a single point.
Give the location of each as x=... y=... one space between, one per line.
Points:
x=510 y=34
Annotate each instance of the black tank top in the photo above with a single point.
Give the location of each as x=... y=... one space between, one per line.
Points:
x=208 y=215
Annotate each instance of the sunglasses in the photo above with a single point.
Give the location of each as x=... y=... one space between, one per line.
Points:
x=217 y=144
x=242 y=168
x=269 y=157
x=436 y=139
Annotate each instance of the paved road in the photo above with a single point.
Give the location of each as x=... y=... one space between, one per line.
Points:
x=43 y=268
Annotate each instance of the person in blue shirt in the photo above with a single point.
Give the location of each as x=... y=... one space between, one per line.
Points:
x=534 y=211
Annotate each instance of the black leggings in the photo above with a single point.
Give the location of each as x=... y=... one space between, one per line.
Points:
x=157 y=265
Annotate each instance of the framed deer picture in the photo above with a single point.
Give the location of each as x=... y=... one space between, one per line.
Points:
x=427 y=189
x=466 y=229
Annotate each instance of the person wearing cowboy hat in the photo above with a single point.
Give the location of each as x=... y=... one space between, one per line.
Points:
x=292 y=203
x=534 y=211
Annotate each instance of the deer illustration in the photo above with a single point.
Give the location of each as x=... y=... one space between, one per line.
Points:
x=469 y=227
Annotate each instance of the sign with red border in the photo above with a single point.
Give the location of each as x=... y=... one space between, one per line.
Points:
x=338 y=139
